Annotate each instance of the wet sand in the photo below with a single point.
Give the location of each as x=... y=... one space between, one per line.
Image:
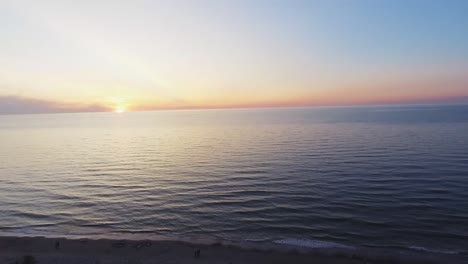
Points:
x=29 y=250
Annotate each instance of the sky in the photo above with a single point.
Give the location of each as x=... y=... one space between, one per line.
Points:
x=74 y=56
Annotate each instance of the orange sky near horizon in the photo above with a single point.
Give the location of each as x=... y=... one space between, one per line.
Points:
x=68 y=56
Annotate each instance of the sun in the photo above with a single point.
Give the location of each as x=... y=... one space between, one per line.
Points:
x=118 y=105
x=119 y=109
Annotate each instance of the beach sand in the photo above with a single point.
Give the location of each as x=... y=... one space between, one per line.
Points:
x=29 y=250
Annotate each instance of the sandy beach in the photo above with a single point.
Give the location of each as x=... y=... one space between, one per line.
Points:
x=29 y=250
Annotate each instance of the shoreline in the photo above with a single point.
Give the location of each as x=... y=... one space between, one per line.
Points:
x=14 y=249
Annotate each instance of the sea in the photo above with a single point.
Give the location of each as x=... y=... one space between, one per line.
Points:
x=392 y=177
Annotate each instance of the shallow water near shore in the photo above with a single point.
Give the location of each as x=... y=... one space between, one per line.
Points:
x=374 y=177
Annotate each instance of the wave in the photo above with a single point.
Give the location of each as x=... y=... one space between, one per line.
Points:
x=449 y=252
x=312 y=243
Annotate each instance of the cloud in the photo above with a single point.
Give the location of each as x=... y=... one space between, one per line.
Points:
x=24 y=105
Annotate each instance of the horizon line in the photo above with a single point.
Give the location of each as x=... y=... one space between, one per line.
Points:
x=189 y=108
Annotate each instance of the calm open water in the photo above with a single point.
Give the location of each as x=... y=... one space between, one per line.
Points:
x=378 y=176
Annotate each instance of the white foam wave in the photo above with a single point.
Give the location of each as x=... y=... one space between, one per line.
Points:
x=311 y=243
x=433 y=250
x=257 y=240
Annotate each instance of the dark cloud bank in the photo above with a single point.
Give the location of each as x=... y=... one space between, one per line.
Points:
x=10 y=105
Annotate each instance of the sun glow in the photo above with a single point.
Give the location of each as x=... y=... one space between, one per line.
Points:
x=119 y=109
x=118 y=104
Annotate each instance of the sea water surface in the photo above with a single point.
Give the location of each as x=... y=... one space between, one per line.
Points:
x=387 y=177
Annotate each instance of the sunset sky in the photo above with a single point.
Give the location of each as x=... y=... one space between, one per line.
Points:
x=71 y=56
